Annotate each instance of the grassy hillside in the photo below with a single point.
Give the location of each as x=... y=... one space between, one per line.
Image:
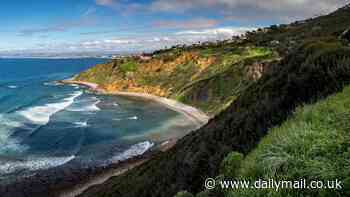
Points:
x=313 y=144
x=316 y=66
x=208 y=77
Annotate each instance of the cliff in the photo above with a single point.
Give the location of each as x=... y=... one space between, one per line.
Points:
x=250 y=85
x=209 y=78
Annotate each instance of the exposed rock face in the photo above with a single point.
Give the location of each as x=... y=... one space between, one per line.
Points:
x=131 y=83
x=256 y=71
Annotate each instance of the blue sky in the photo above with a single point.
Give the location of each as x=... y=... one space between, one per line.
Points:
x=66 y=26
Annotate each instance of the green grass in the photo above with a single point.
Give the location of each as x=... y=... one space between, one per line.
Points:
x=129 y=66
x=313 y=144
x=99 y=74
x=258 y=51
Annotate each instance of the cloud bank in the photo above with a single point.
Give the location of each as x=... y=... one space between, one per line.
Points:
x=239 y=10
x=143 y=43
x=171 y=22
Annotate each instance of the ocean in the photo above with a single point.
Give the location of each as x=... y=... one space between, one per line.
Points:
x=44 y=124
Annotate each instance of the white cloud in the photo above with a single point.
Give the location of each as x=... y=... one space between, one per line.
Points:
x=119 y=41
x=197 y=23
x=105 y=2
x=228 y=32
x=146 y=42
x=245 y=9
x=238 y=10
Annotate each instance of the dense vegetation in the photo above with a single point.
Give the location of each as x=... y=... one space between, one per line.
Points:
x=314 y=66
x=313 y=144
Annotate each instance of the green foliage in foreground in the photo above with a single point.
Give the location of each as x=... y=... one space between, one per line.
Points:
x=314 y=145
x=184 y=194
x=188 y=194
x=231 y=164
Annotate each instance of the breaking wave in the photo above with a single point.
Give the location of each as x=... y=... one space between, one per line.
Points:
x=8 y=144
x=12 y=86
x=87 y=105
x=133 y=151
x=33 y=164
x=41 y=114
x=81 y=124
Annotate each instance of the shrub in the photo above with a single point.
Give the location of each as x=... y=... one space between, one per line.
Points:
x=129 y=66
x=231 y=164
x=184 y=194
x=205 y=193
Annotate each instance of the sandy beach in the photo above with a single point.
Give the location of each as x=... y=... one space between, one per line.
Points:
x=194 y=114
x=198 y=117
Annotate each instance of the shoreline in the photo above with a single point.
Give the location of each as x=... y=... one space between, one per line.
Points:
x=195 y=115
x=103 y=176
x=115 y=169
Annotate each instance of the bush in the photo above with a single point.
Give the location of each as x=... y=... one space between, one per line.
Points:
x=231 y=164
x=205 y=193
x=130 y=66
x=184 y=194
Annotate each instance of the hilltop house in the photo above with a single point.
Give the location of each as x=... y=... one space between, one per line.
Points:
x=145 y=57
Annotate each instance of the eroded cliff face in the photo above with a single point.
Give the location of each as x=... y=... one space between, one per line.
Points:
x=155 y=68
x=205 y=78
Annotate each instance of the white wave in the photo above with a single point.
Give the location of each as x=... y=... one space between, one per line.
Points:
x=12 y=87
x=133 y=151
x=88 y=108
x=75 y=86
x=116 y=104
x=81 y=124
x=41 y=114
x=129 y=118
x=133 y=118
x=33 y=164
x=8 y=144
x=52 y=83
x=6 y=125
x=9 y=122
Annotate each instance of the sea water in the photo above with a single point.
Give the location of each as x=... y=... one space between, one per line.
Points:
x=44 y=124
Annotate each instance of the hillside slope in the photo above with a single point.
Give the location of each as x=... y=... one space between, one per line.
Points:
x=314 y=67
x=313 y=144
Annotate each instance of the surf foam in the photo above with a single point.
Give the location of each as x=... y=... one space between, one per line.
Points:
x=7 y=167
x=81 y=124
x=12 y=87
x=133 y=151
x=41 y=114
x=89 y=107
